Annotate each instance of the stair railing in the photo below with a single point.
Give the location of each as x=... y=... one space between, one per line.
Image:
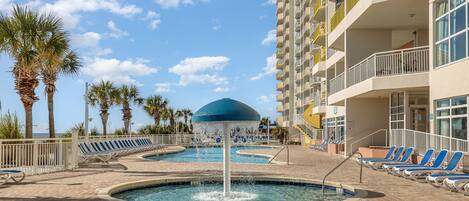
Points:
x=340 y=164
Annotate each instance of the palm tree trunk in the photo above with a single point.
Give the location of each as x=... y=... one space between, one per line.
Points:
x=50 y=107
x=126 y=126
x=104 y=117
x=28 y=108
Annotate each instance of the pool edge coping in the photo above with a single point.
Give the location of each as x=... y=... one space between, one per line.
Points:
x=106 y=193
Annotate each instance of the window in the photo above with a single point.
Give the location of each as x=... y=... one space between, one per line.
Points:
x=458 y=47
x=336 y=129
x=451 y=117
x=397 y=111
x=450 y=31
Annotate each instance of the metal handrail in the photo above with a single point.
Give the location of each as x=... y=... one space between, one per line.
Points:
x=288 y=154
x=340 y=164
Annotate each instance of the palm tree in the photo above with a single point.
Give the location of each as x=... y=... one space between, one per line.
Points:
x=60 y=62
x=178 y=116
x=172 y=118
x=26 y=36
x=187 y=113
x=280 y=133
x=103 y=94
x=154 y=106
x=126 y=96
x=264 y=123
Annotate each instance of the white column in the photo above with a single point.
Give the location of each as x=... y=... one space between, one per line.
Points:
x=226 y=159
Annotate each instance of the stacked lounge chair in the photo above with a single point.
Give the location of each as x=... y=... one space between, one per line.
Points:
x=396 y=160
x=424 y=162
x=110 y=149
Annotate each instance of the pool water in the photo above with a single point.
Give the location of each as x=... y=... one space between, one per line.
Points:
x=212 y=154
x=266 y=191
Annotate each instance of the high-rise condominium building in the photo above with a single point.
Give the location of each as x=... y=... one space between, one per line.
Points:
x=367 y=72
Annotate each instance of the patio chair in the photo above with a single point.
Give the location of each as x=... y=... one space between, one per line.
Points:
x=439 y=160
x=396 y=157
x=387 y=156
x=403 y=160
x=421 y=173
x=14 y=175
x=424 y=162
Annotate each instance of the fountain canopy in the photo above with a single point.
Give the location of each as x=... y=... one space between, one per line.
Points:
x=225 y=110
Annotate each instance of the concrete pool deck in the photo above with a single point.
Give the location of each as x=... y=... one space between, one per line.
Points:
x=85 y=183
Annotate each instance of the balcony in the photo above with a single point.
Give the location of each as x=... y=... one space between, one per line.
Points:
x=279 y=97
x=319 y=34
x=319 y=58
x=280 y=86
x=280 y=18
x=279 y=30
x=279 y=75
x=319 y=10
x=279 y=41
x=280 y=8
x=279 y=54
x=306 y=13
x=279 y=108
x=390 y=63
x=336 y=84
x=280 y=64
x=286 y=94
x=340 y=13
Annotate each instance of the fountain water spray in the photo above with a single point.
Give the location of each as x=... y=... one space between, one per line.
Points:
x=229 y=121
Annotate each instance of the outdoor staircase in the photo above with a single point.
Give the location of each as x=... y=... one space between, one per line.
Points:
x=309 y=123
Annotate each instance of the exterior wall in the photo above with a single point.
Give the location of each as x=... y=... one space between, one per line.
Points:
x=368 y=42
x=363 y=117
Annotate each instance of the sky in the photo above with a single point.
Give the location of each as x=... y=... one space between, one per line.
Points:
x=189 y=51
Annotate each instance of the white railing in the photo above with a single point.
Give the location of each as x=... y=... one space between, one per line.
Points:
x=318 y=101
x=36 y=156
x=422 y=141
x=396 y=62
x=336 y=84
x=374 y=139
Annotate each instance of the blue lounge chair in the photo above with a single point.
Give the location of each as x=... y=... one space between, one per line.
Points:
x=396 y=157
x=405 y=159
x=439 y=160
x=387 y=156
x=15 y=175
x=421 y=173
x=424 y=162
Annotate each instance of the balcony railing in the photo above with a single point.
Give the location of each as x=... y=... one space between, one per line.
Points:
x=279 y=75
x=341 y=12
x=280 y=85
x=318 y=5
x=318 y=101
x=422 y=141
x=319 y=55
x=319 y=31
x=336 y=84
x=397 y=62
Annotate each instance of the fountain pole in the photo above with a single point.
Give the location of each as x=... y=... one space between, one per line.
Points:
x=226 y=159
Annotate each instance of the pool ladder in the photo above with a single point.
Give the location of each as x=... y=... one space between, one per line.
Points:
x=340 y=164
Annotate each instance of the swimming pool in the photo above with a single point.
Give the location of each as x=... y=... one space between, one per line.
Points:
x=255 y=191
x=212 y=154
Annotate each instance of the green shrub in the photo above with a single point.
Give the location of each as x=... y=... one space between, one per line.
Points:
x=10 y=127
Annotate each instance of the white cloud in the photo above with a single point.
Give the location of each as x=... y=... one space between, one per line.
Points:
x=118 y=71
x=216 y=27
x=115 y=31
x=176 y=3
x=69 y=10
x=270 y=2
x=90 y=42
x=221 y=89
x=86 y=40
x=162 y=87
x=154 y=20
x=269 y=68
x=270 y=38
x=263 y=99
x=201 y=70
